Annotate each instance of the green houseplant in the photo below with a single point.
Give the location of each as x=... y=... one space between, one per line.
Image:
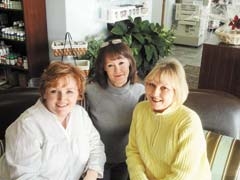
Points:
x=148 y=41
x=92 y=52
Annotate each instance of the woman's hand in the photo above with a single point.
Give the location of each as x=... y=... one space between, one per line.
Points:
x=91 y=175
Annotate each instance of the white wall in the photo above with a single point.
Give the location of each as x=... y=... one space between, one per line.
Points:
x=157 y=12
x=55 y=18
x=75 y=16
x=79 y=17
x=82 y=18
x=168 y=13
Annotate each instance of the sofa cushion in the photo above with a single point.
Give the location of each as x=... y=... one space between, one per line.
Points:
x=224 y=156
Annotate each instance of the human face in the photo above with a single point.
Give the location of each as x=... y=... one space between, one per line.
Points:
x=160 y=94
x=61 y=99
x=117 y=70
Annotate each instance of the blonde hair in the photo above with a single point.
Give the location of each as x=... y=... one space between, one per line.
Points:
x=174 y=71
x=58 y=70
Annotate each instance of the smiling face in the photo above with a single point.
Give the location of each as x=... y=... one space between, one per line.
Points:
x=60 y=98
x=117 y=70
x=160 y=93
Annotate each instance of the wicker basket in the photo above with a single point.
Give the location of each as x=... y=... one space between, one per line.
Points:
x=228 y=36
x=76 y=48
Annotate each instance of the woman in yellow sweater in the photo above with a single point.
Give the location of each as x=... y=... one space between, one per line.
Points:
x=166 y=140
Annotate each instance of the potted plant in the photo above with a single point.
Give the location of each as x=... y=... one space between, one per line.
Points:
x=91 y=53
x=148 y=41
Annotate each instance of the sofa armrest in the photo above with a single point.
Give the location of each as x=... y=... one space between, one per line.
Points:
x=223 y=155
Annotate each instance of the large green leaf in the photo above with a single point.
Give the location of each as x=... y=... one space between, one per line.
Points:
x=145 y=27
x=137 y=45
x=157 y=42
x=137 y=20
x=148 y=38
x=139 y=37
x=139 y=60
x=149 y=52
x=120 y=28
x=135 y=51
x=155 y=55
x=128 y=39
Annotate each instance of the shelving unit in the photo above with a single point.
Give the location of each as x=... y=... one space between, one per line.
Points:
x=28 y=50
x=112 y=12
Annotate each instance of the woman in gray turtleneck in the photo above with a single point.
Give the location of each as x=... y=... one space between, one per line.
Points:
x=112 y=96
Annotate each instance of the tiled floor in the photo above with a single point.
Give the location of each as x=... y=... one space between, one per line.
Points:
x=190 y=57
x=187 y=54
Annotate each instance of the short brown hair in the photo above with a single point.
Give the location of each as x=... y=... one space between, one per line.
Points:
x=57 y=70
x=114 y=51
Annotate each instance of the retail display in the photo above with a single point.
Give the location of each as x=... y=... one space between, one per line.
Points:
x=228 y=36
x=24 y=41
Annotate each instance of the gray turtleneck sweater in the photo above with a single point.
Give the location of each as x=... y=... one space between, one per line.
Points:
x=111 y=112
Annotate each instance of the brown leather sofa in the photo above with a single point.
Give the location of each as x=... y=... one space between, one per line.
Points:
x=12 y=103
x=219 y=112
x=220 y=116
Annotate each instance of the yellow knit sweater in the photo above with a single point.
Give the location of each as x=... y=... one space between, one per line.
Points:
x=166 y=146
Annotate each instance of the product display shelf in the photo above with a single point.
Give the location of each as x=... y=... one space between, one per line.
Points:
x=24 y=41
